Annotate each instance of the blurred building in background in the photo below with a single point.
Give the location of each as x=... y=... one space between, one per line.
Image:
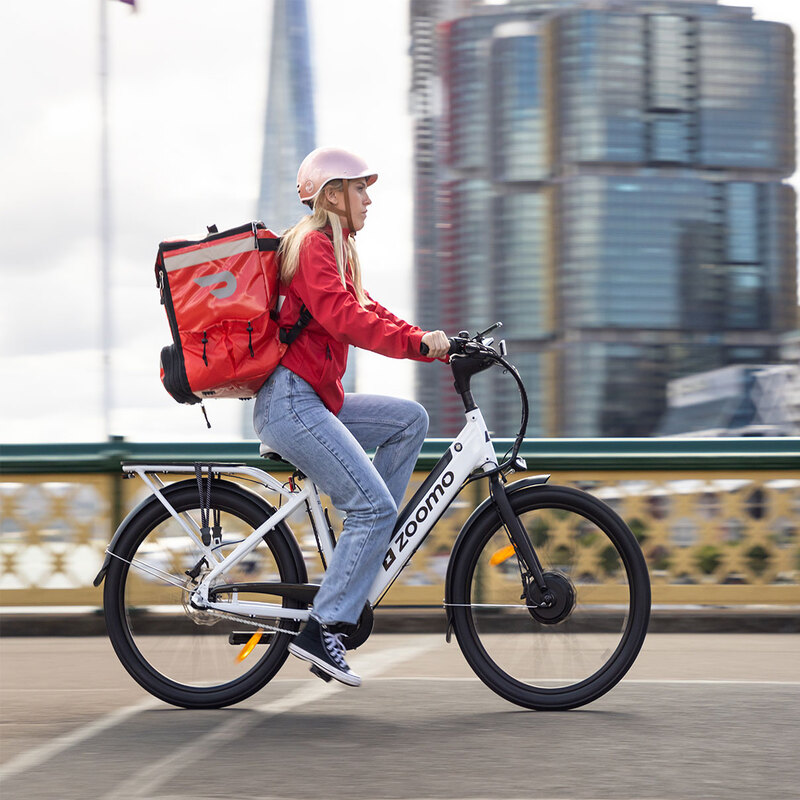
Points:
x=741 y=400
x=289 y=133
x=607 y=179
x=289 y=128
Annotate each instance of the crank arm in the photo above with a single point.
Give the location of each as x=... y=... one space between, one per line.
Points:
x=243 y=637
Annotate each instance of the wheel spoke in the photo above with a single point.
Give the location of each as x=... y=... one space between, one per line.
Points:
x=562 y=652
x=155 y=572
x=186 y=655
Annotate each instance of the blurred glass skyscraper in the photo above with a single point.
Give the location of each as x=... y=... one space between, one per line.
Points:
x=289 y=130
x=606 y=178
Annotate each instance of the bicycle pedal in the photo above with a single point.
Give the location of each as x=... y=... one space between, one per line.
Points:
x=315 y=670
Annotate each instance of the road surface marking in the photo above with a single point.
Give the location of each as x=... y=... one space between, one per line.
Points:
x=146 y=781
x=38 y=755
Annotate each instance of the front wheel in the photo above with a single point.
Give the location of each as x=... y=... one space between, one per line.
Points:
x=182 y=655
x=572 y=649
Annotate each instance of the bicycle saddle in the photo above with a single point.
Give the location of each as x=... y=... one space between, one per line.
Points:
x=265 y=452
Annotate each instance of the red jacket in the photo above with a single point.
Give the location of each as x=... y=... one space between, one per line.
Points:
x=319 y=354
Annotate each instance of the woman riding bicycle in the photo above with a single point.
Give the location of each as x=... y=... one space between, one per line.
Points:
x=303 y=413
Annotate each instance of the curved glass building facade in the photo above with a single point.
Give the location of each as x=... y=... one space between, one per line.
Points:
x=610 y=185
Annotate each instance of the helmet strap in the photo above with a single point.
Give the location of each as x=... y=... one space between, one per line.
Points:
x=348 y=213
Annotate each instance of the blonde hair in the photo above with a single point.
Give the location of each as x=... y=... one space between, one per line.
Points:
x=345 y=251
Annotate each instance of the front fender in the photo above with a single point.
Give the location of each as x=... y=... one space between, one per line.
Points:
x=486 y=508
x=167 y=491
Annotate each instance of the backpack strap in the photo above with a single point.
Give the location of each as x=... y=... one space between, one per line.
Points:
x=268 y=245
x=287 y=336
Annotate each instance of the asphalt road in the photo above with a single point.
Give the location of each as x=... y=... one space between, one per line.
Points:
x=711 y=716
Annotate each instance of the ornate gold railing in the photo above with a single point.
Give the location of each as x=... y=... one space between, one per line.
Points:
x=718 y=520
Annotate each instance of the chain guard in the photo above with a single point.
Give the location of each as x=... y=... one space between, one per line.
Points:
x=355 y=635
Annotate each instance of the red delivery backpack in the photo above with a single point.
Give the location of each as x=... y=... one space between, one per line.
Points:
x=220 y=294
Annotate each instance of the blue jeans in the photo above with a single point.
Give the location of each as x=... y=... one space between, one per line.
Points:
x=290 y=418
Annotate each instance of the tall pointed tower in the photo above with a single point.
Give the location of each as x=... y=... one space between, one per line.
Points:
x=289 y=132
x=289 y=129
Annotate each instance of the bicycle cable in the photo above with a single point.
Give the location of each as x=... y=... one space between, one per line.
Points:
x=173 y=581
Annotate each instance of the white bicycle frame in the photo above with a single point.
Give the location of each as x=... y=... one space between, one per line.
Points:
x=470 y=451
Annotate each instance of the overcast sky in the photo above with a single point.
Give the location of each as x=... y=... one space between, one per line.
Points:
x=187 y=99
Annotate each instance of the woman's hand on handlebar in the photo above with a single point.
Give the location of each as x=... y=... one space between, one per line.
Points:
x=436 y=343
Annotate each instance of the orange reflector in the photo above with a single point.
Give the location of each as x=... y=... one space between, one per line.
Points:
x=502 y=555
x=248 y=648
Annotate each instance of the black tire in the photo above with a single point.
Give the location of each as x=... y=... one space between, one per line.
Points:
x=570 y=655
x=178 y=655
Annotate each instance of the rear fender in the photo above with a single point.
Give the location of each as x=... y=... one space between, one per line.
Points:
x=486 y=509
x=280 y=530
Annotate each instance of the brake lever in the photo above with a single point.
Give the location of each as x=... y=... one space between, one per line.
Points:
x=462 y=345
x=489 y=330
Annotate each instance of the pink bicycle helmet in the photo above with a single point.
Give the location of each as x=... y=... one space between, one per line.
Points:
x=326 y=164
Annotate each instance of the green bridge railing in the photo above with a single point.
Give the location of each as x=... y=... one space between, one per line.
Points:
x=718 y=519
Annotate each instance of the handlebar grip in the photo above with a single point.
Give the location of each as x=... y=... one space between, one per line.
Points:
x=455 y=347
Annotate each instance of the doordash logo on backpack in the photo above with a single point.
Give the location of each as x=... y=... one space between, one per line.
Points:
x=227 y=278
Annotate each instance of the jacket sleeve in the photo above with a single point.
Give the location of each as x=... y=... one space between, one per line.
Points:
x=336 y=309
x=384 y=313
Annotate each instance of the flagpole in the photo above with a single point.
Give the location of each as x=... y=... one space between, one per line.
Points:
x=105 y=226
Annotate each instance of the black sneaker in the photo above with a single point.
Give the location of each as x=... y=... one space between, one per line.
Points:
x=324 y=651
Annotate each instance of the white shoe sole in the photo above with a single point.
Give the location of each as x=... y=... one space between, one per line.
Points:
x=347 y=678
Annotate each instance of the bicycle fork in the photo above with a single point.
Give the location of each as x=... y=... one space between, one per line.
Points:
x=521 y=542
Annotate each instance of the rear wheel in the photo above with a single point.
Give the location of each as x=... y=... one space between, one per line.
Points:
x=562 y=654
x=182 y=655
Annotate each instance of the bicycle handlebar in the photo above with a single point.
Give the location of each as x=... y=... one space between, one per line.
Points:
x=464 y=347
x=460 y=345
x=456 y=346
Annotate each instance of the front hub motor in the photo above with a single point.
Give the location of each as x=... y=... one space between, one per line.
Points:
x=554 y=605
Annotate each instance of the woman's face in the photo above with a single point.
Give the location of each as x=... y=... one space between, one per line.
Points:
x=359 y=200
